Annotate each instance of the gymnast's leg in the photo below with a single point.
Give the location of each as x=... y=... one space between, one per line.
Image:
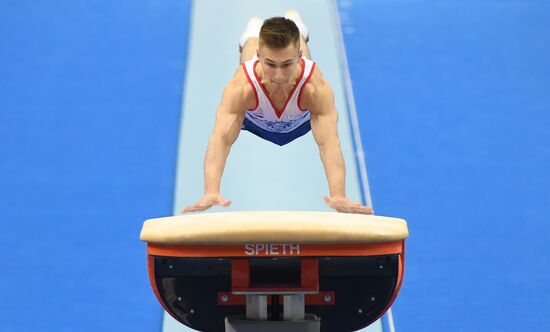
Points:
x=304 y=33
x=248 y=44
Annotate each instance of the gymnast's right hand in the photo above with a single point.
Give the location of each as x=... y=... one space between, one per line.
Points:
x=206 y=202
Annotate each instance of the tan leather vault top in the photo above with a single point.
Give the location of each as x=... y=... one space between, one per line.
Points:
x=273 y=226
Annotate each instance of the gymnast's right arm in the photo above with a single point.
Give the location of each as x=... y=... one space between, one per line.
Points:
x=229 y=120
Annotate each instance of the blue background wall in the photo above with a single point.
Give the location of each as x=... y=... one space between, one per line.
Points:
x=89 y=118
x=455 y=120
x=454 y=111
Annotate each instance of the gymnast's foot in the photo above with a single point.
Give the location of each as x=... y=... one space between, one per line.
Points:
x=252 y=30
x=295 y=17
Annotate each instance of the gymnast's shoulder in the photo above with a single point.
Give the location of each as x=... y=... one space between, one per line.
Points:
x=317 y=92
x=239 y=92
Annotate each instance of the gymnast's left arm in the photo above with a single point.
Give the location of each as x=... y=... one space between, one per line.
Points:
x=324 y=121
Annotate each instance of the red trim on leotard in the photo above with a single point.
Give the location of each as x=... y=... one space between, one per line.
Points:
x=302 y=88
x=253 y=88
x=279 y=113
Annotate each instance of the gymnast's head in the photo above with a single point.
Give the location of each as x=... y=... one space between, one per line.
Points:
x=279 y=49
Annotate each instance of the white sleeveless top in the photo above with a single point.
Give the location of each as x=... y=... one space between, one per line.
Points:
x=265 y=115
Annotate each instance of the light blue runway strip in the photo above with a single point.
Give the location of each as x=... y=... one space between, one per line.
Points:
x=259 y=175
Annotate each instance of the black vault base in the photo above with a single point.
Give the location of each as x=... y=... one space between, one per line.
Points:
x=363 y=287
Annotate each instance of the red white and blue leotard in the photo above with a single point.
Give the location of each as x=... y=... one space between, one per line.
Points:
x=268 y=122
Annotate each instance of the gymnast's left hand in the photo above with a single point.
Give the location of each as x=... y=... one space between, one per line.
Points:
x=345 y=205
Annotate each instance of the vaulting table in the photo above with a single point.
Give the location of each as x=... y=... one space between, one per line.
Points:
x=276 y=270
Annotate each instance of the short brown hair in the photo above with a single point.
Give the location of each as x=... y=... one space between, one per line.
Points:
x=279 y=32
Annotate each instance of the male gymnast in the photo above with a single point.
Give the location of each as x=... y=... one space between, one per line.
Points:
x=280 y=100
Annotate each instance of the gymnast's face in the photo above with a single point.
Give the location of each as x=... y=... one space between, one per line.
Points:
x=279 y=65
